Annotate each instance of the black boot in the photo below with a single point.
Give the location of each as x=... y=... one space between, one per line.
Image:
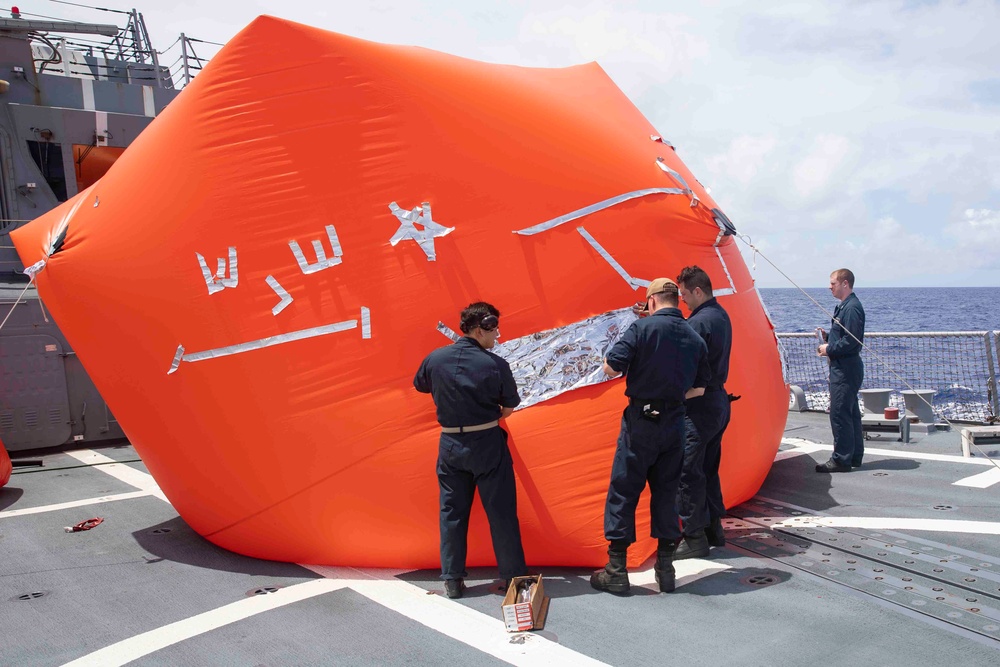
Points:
x=454 y=588
x=693 y=546
x=614 y=577
x=715 y=533
x=664 y=566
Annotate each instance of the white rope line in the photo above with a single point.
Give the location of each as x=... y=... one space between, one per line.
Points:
x=17 y=302
x=746 y=239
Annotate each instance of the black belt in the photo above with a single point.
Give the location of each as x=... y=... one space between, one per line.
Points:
x=645 y=401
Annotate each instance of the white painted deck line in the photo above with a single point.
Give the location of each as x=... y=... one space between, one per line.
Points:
x=688 y=571
x=800 y=450
x=73 y=503
x=980 y=481
x=123 y=473
x=473 y=628
x=808 y=447
x=133 y=648
x=893 y=523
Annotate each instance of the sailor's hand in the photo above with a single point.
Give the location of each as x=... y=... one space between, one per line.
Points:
x=821 y=350
x=639 y=309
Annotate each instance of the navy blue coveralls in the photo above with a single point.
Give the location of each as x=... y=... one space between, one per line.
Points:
x=700 y=496
x=468 y=385
x=847 y=372
x=662 y=358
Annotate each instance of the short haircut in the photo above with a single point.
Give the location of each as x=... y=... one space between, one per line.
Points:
x=695 y=276
x=844 y=274
x=474 y=313
x=667 y=297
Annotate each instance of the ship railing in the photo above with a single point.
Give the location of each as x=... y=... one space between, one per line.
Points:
x=959 y=366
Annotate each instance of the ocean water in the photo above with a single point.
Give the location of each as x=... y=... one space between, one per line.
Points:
x=956 y=367
x=891 y=308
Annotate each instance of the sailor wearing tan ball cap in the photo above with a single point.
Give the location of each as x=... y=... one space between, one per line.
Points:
x=664 y=362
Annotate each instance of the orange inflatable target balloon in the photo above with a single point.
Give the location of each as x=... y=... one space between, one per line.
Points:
x=253 y=284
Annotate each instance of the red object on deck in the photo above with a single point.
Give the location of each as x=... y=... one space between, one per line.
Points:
x=891 y=413
x=5 y=466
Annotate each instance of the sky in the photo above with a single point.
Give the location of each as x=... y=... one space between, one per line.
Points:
x=856 y=134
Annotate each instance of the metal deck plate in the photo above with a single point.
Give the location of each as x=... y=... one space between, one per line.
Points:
x=961 y=589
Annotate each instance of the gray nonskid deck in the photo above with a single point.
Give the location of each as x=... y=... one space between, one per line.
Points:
x=143 y=576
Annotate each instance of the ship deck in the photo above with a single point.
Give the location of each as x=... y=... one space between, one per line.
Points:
x=897 y=562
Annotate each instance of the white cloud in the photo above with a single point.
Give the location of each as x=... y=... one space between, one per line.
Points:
x=744 y=159
x=817 y=172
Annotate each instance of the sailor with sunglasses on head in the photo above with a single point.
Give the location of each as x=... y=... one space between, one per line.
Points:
x=472 y=390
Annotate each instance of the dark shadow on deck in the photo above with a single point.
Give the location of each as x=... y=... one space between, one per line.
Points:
x=175 y=541
x=9 y=495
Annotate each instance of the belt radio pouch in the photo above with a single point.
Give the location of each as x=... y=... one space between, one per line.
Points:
x=651 y=410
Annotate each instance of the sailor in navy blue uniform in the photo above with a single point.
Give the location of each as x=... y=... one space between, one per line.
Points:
x=847 y=372
x=700 y=496
x=473 y=389
x=664 y=362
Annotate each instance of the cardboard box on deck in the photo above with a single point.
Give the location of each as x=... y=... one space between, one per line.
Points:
x=530 y=615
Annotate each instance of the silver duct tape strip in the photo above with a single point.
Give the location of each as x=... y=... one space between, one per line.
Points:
x=219 y=282
x=260 y=344
x=448 y=332
x=725 y=268
x=763 y=305
x=177 y=359
x=321 y=260
x=594 y=208
x=286 y=298
x=407 y=230
x=549 y=363
x=656 y=137
x=635 y=283
x=33 y=270
x=97 y=202
x=366 y=322
x=680 y=179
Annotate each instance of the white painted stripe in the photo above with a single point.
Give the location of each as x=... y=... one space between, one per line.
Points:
x=892 y=453
x=453 y=619
x=980 y=481
x=800 y=450
x=133 y=648
x=88 y=94
x=74 y=503
x=893 y=523
x=120 y=471
x=101 y=127
x=473 y=628
x=687 y=571
x=148 y=103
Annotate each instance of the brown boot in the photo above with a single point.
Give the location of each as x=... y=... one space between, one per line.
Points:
x=614 y=577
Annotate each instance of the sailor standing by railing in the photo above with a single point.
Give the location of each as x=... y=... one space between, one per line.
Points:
x=847 y=372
